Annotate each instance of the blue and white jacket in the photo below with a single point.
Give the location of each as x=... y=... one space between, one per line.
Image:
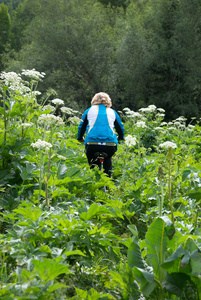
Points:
x=99 y=122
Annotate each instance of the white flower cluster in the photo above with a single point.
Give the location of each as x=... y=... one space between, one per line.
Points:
x=14 y=82
x=132 y=114
x=48 y=120
x=141 y=124
x=10 y=78
x=167 y=145
x=161 y=110
x=130 y=140
x=48 y=107
x=61 y=157
x=58 y=101
x=41 y=145
x=74 y=120
x=151 y=108
x=26 y=124
x=69 y=111
x=33 y=74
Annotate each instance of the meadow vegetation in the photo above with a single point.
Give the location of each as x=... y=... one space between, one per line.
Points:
x=62 y=237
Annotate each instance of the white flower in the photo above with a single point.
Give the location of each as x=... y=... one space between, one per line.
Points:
x=61 y=157
x=130 y=140
x=159 y=128
x=141 y=124
x=148 y=109
x=74 y=120
x=41 y=145
x=171 y=128
x=191 y=126
x=68 y=110
x=161 y=115
x=163 y=123
x=167 y=145
x=33 y=74
x=48 y=107
x=152 y=107
x=48 y=120
x=58 y=102
x=10 y=78
x=161 y=110
x=181 y=119
x=26 y=124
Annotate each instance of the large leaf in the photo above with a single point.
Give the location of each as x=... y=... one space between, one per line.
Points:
x=146 y=280
x=157 y=241
x=176 y=282
x=48 y=269
x=134 y=254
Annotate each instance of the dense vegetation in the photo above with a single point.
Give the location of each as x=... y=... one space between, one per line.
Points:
x=141 y=52
x=62 y=237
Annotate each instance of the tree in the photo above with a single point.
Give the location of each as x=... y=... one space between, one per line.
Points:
x=72 y=42
x=161 y=54
x=5 y=25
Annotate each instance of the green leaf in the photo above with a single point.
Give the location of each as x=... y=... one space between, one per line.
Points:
x=61 y=171
x=134 y=256
x=176 y=282
x=48 y=269
x=56 y=286
x=195 y=260
x=157 y=242
x=145 y=279
x=185 y=174
x=29 y=211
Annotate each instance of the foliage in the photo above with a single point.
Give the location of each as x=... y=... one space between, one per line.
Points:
x=140 y=52
x=63 y=237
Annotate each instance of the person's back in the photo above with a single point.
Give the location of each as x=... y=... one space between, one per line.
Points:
x=99 y=122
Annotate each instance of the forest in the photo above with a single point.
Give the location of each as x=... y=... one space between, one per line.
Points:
x=140 y=52
x=62 y=234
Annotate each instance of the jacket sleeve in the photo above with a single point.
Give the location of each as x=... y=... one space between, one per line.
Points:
x=82 y=126
x=119 y=127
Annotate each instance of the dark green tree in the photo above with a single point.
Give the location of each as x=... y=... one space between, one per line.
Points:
x=5 y=25
x=73 y=43
x=159 y=56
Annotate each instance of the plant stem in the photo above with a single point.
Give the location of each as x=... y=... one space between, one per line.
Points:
x=170 y=191
x=48 y=176
x=161 y=200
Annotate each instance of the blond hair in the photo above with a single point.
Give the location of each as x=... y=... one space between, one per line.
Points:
x=101 y=98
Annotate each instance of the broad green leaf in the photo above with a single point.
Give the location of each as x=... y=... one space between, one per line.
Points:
x=48 y=269
x=195 y=261
x=173 y=261
x=145 y=279
x=175 y=283
x=55 y=287
x=185 y=174
x=29 y=212
x=134 y=255
x=61 y=171
x=157 y=242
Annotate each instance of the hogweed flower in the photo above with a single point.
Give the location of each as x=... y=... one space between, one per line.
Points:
x=69 y=111
x=26 y=124
x=161 y=110
x=58 y=101
x=141 y=124
x=41 y=145
x=167 y=145
x=33 y=74
x=48 y=107
x=74 y=120
x=130 y=140
x=48 y=120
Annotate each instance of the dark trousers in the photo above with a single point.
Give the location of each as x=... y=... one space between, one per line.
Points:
x=107 y=164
